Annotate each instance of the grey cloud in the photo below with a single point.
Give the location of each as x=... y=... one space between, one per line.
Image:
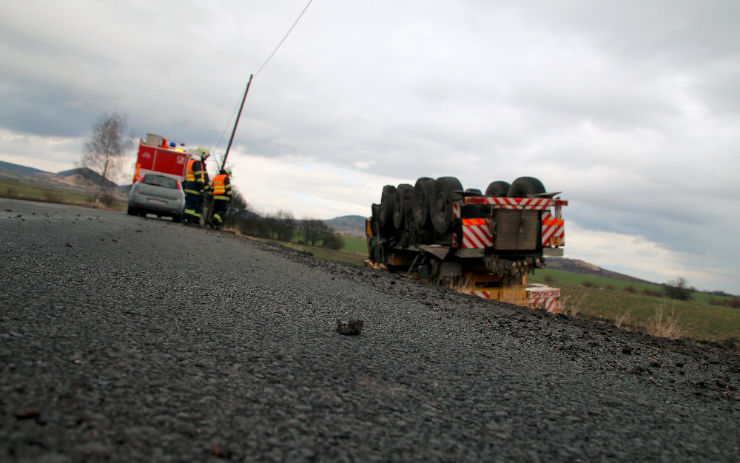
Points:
x=679 y=32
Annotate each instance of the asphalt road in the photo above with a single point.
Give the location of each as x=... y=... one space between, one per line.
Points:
x=131 y=339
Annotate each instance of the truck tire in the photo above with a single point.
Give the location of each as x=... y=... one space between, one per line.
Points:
x=523 y=187
x=402 y=204
x=475 y=210
x=420 y=204
x=499 y=189
x=374 y=226
x=387 y=202
x=440 y=205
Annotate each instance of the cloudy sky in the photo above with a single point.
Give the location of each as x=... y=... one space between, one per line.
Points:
x=631 y=109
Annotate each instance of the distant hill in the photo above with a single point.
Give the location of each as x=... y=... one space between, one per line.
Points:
x=79 y=179
x=585 y=268
x=17 y=169
x=83 y=176
x=353 y=225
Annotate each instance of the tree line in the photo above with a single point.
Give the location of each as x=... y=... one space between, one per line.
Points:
x=281 y=226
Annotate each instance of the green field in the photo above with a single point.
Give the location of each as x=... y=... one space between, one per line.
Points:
x=16 y=189
x=354 y=244
x=640 y=306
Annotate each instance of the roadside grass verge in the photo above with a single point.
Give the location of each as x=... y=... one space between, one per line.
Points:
x=353 y=250
x=337 y=255
x=17 y=189
x=354 y=244
x=642 y=310
x=665 y=325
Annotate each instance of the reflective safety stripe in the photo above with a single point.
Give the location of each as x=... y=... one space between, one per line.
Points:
x=194 y=172
x=189 y=175
x=219 y=184
x=476 y=234
x=192 y=192
x=475 y=222
x=222 y=197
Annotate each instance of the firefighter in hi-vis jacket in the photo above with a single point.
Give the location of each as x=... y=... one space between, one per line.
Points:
x=221 y=197
x=196 y=184
x=137 y=174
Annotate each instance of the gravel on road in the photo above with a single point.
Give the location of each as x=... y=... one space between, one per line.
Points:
x=130 y=339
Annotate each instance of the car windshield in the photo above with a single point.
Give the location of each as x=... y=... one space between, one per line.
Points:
x=158 y=180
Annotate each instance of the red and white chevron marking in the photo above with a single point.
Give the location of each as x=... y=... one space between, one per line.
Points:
x=552 y=227
x=551 y=304
x=512 y=203
x=476 y=234
x=546 y=298
x=483 y=294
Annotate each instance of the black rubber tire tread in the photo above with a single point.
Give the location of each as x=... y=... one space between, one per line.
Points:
x=375 y=209
x=177 y=218
x=387 y=202
x=498 y=189
x=375 y=221
x=474 y=191
x=402 y=203
x=523 y=187
x=420 y=204
x=440 y=204
x=131 y=211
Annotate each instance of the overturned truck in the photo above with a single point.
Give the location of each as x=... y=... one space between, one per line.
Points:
x=479 y=243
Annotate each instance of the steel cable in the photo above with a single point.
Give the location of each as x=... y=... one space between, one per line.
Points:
x=228 y=124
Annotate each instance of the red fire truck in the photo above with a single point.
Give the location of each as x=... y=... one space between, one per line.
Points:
x=157 y=186
x=157 y=154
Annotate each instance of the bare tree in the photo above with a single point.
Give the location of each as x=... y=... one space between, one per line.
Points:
x=678 y=289
x=312 y=231
x=106 y=148
x=238 y=203
x=318 y=233
x=285 y=226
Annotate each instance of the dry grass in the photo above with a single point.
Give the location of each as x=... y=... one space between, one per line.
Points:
x=624 y=321
x=51 y=196
x=665 y=325
x=571 y=304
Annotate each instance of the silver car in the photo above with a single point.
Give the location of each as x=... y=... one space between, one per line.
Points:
x=156 y=194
